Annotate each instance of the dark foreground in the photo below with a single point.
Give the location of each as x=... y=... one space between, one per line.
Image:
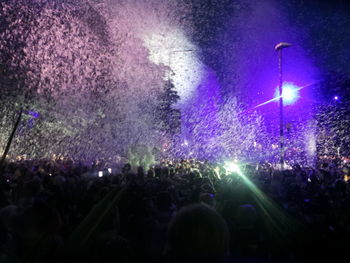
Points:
x=187 y=211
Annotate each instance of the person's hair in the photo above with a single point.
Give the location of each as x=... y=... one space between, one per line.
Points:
x=197 y=234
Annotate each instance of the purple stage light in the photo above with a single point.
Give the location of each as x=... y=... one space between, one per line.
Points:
x=34 y=114
x=336 y=97
x=290 y=93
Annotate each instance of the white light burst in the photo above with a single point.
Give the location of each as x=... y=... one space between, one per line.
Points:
x=170 y=47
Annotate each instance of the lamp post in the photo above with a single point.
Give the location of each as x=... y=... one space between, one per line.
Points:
x=279 y=48
x=2 y=161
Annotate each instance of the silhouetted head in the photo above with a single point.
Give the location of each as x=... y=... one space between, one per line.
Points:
x=126 y=168
x=150 y=173
x=197 y=234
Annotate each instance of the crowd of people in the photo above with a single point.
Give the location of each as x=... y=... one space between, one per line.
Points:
x=176 y=211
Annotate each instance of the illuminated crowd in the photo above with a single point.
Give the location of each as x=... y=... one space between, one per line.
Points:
x=175 y=211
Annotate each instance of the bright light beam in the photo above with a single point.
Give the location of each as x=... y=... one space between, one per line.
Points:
x=275 y=217
x=266 y=102
x=231 y=167
x=170 y=47
x=291 y=94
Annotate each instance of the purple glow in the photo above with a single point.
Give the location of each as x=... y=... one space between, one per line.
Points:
x=290 y=93
x=336 y=97
x=34 y=114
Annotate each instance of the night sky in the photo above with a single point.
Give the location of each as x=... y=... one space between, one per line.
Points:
x=322 y=29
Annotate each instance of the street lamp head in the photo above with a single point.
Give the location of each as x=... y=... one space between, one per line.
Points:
x=282 y=45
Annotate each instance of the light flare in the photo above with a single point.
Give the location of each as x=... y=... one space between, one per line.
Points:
x=276 y=218
x=290 y=93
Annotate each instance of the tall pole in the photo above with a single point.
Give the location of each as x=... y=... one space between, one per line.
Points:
x=279 y=48
x=281 y=108
x=2 y=160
